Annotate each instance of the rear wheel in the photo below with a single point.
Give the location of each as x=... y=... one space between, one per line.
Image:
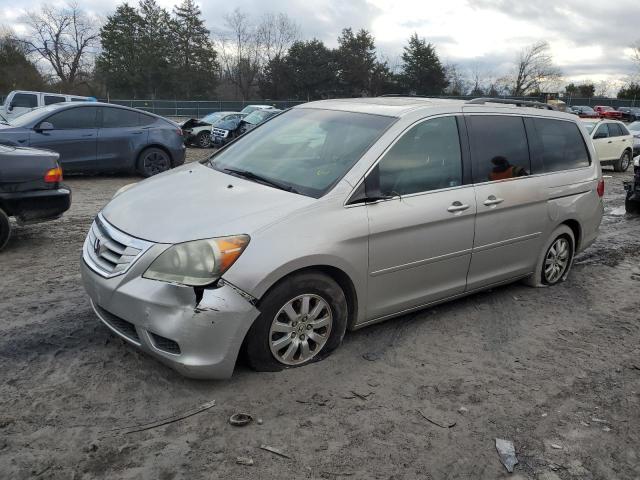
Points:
x=623 y=163
x=153 y=161
x=302 y=320
x=203 y=139
x=5 y=229
x=555 y=261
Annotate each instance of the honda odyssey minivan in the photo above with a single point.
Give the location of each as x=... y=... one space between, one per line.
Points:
x=335 y=215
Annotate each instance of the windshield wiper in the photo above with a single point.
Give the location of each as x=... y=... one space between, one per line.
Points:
x=259 y=178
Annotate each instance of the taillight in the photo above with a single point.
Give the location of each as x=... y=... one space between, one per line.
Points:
x=53 y=175
x=600 y=188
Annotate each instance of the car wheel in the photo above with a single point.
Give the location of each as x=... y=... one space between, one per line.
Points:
x=5 y=229
x=630 y=204
x=302 y=319
x=203 y=139
x=623 y=163
x=153 y=161
x=556 y=259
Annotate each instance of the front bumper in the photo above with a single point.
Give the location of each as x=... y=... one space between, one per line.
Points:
x=199 y=340
x=37 y=205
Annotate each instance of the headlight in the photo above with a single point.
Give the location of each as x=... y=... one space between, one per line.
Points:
x=197 y=263
x=123 y=189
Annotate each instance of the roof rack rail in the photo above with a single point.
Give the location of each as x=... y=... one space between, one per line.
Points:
x=404 y=95
x=508 y=101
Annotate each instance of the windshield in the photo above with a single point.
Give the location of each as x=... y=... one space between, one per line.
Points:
x=212 y=117
x=589 y=126
x=253 y=108
x=635 y=126
x=305 y=149
x=258 y=116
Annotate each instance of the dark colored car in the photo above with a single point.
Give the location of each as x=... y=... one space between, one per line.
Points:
x=99 y=137
x=31 y=188
x=224 y=132
x=585 y=111
x=606 y=111
x=630 y=114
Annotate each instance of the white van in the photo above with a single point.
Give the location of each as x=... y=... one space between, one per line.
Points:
x=22 y=101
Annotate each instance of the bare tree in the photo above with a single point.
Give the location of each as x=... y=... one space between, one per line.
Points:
x=603 y=88
x=276 y=33
x=534 y=67
x=65 y=38
x=635 y=53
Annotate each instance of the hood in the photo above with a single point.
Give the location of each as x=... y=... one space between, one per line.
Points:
x=13 y=135
x=192 y=123
x=194 y=202
x=227 y=124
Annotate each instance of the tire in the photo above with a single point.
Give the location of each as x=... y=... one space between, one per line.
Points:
x=631 y=205
x=153 y=161
x=622 y=164
x=5 y=229
x=542 y=277
x=203 y=139
x=266 y=345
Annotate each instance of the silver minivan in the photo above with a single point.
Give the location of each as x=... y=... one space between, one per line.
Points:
x=335 y=215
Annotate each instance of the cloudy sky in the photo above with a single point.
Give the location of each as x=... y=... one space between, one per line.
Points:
x=590 y=39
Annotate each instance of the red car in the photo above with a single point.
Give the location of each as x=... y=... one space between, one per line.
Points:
x=608 y=112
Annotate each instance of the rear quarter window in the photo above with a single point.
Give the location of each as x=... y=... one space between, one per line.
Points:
x=556 y=145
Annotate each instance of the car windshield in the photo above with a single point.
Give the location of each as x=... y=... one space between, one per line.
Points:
x=258 y=116
x=589 y=126
x=33 y=115
x=306 y=150
x=213 y=117
x=585 y=109
x=606 y=109
x=635 y=126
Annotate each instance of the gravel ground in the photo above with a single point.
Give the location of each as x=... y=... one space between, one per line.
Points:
x=557 y=371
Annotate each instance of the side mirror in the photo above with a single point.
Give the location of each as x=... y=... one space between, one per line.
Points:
x=44 y=127
x=10 y=108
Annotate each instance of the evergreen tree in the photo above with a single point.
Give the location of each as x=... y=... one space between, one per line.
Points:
x=154 y=51
x=630 y=91
x=275 y=81
x=422 y=72
x=193 y=54
x=356 y=61
x=312 y=70
x=18 y=72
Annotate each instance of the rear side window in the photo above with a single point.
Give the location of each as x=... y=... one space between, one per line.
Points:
x=74 y=118
x=144 y=120
x=51 y=99
x=601 y=132
x=499 y=147
x=614 y=130
x=119 y=118
x=24 y=100
x=624 y=130
x=427 y=157
x=556 y=145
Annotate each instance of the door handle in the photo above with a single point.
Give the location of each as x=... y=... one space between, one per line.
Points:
x=457 y=207
x=610 y=141
x=492 y=200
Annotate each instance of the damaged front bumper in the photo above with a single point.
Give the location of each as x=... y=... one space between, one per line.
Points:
x=200 y=337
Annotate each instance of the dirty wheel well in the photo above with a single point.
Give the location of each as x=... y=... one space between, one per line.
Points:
x=577 y=232
x=341 y=279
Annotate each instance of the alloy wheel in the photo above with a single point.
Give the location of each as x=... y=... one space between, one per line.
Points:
x=155 y=162
x=624 y=163
x=557 y=260
x=300 y=329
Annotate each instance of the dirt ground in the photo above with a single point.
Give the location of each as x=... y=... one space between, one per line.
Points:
x=556 y=370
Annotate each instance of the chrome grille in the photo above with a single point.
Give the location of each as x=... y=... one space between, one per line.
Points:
x=219 y=132
x=109 y=251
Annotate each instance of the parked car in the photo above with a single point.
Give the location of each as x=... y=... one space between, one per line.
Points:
x=99 y=137
x=630 y=114
x=634 y=129
x=198 y=132
x=224 y=132
x=31 y=188
x=570 y=109
x=335 y=215
x=613 y=143
x=585 y=111
x=608 y=112
x=252 y=108
x=22 y=101
x=632 y=200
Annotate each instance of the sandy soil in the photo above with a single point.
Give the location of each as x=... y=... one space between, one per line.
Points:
x=545 y=368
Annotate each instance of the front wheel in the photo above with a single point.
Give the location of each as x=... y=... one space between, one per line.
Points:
x=153 y=161
x=556 y=259
x=623 y=163
x=5 y=229
x=303 y=319
x=203 y=139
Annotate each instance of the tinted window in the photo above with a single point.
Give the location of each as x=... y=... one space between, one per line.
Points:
x=51 y=99
x=559 y=144
x=74 y=99
x=614 y=130
x=601 y=132
x=118 y=118
x=25 y=100
x=306 y=149
x=499 y=147
x=74 y=118
x=425 y=158
x=145 y=120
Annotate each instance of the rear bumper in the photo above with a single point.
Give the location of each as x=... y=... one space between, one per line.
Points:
x=178 y=155
x=37 y=205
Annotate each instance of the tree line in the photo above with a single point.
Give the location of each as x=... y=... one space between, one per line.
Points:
x=146 y=51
